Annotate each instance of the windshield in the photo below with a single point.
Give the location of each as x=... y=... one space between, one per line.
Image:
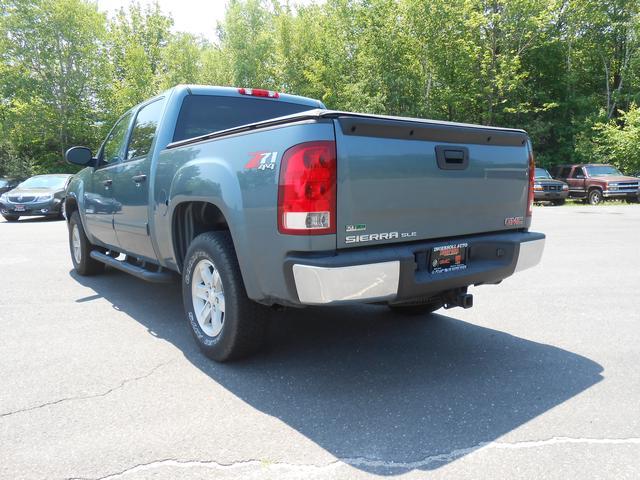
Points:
x=602 y=170
x=542 y=173
x=44 y=182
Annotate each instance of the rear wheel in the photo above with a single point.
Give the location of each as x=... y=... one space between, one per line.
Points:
x=595 y=197
x=10 y=218
x=80 y=248
x=413 y=310
x=225 y=323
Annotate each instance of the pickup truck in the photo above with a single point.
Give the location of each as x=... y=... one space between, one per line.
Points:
x=259 y=199
x=596 y=182
x=546 y=189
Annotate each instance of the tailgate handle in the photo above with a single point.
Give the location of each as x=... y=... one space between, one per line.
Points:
x=452 y=158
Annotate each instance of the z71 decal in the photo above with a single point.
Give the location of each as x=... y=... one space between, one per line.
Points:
x=262 y=160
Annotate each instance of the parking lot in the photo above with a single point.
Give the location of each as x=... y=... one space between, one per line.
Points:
x=100 y=378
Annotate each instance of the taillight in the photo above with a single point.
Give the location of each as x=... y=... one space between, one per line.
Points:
x=258 y=92
x=307 y=189
x=532 y=170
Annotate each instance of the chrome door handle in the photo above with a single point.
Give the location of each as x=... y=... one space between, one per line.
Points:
x=139 y=178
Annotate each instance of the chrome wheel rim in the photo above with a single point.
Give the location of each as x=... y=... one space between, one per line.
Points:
x=207 y=295
x=75 y=244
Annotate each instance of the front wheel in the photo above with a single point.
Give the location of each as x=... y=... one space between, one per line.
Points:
x=80 y=248
x=10 y=218
x=595 y=197
x=225 y=323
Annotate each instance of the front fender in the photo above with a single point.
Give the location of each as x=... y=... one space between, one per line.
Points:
x=76 y=190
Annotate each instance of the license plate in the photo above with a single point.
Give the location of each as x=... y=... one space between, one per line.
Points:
x=19 y=208
x=448 y=258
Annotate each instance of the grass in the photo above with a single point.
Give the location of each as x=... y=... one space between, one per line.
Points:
x=580 y=203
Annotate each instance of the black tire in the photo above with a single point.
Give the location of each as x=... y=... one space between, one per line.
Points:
x=414 y=310
x=244 y=322
x=595 y=197
x=11 y=218
x=85 y=265
x=559 y=202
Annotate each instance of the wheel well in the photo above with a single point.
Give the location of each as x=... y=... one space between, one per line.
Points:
x=595 y=188
x=190 y=219
x=70 y=206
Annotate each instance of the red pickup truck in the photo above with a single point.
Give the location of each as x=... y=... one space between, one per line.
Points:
x=597 y=182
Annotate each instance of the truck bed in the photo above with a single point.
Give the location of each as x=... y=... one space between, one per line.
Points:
x=392 y=187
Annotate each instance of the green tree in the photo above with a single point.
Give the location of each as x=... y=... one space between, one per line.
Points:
x=50 y=51
x=136 y=42
x=616 y=141
x=182 y=60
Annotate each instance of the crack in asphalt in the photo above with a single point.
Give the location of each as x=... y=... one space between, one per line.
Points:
x=85 y=397
x=364 y=461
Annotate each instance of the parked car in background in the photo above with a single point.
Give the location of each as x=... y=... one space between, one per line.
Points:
x=7 y=184
x=546 y=189
x=258 y=197
x=39 y=195
x=597 y=182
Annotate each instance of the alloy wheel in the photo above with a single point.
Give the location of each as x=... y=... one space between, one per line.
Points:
x=207 y=294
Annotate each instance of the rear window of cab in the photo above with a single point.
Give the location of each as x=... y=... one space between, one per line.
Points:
x=202 y=114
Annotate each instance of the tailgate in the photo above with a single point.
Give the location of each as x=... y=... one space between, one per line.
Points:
x=403 y=180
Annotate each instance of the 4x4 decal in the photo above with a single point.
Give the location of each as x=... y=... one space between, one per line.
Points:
x=262 y=160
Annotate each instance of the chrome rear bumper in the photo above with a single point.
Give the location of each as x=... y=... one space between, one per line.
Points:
x=320 y=285
x=530 y=254
x=399 y=272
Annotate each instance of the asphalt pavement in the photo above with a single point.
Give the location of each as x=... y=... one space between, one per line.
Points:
x=100 y=379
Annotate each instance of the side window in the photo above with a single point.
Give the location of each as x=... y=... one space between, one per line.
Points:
x=144 y=130
x=577 y=173
x=115 y=144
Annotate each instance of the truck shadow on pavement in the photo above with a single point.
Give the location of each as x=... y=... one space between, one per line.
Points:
x=383 y=393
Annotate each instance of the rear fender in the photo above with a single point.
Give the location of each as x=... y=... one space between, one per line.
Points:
x=213 y=181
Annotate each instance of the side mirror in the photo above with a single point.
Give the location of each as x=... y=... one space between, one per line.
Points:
x=580 y=177
x=79 y=156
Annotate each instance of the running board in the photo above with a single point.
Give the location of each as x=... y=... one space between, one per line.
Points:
x=142 y=273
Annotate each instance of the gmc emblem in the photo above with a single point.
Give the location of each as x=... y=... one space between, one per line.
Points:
x=513 y=221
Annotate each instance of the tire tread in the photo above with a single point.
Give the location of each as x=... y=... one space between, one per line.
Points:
x=244 y=333
x=87 y=266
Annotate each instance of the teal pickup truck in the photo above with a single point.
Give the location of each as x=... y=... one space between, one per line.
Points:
x=259 y=199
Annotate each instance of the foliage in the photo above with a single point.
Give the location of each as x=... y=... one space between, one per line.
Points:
x=567 y=71
x=617 y=141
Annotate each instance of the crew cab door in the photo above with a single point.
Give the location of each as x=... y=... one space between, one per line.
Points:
x=131 y=183
x=577 y=182
x=99 y=200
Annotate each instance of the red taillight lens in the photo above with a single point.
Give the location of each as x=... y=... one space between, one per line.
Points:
x=307 y=189
x=258 y=92
x=532 y=170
